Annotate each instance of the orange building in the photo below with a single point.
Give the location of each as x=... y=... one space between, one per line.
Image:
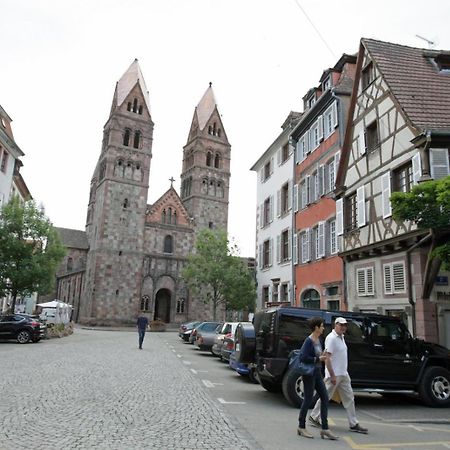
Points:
x=318 y=137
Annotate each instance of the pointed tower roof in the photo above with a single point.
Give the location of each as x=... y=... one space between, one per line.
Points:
x=127 y=82
x=206 y=107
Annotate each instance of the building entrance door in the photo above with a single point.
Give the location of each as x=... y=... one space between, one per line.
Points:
x=162 y=305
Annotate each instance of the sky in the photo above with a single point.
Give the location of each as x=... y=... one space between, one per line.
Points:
x=60 y=60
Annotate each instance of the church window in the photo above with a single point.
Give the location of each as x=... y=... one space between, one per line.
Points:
x=219 y=132
x=129 y=106
x=217 y=161
x=210 y=129
x=135 y=105
x=180 y=306
x=174 y=218
x=140 y=110
x=168 y=244
x=138 y=166
x=214 y=129
x=126 y=137
x=69 y=264
x=163 y=216
x=209 y=159
x=125 y=203
x=145 y=303
x=137 y=138
x=169 y=216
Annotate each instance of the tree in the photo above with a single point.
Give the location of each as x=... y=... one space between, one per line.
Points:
x=217 y=275
x=428 y=205
x=30 y=250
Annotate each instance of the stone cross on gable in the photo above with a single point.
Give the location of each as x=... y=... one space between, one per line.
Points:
x=171 y=179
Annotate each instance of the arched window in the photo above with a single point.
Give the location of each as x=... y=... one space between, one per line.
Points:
x=174 y=218
x=311 y=299
x=125 y=203
x=214 y=128
x=163 y=216
x=180 y=306
x=129 y=106
x=137 y=138
x=209 y=129
x=168 y=244
x=217 y=161
x=145 y=303
x=126 y=137
x=209 y=159
x=140 y=109
x=135 y=105
x=69 y=264
x=219 y=132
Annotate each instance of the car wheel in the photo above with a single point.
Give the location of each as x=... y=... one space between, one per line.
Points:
x=269 y=385
x=245 y=343
x=23 y=337
x=252 y=376
x=434 y=388
x=292 y=387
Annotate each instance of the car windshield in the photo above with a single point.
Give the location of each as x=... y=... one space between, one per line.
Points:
x=210 y=326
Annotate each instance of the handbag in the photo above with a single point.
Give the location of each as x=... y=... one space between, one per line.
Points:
x=301 y=367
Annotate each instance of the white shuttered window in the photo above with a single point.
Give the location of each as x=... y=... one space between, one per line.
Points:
x=361 y=206
x=386 y=194
x=364 y=281
x=439 y=163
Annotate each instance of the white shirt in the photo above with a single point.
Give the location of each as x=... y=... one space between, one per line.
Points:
x=336 y=346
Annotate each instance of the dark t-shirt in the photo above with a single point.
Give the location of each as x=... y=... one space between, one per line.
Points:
x=142 y=322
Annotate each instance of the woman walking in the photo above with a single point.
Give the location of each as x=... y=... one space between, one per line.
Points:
x=312 y=353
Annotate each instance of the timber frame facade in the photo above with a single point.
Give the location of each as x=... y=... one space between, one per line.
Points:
x=398 y=134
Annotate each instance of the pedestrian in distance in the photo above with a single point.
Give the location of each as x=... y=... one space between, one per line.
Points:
x=311 y=353
x=337 y=378
x=142 y=325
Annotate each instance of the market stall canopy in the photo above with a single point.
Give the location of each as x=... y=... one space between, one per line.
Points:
x=54 y=304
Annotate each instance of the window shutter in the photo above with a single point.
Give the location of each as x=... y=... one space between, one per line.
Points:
x=320 y=127
x=279 y=292
x=289 y=244
x=361 y=206
x=335 y=114
x=369 y=281
x=398 y=275
x=307 y=143
x=261 y=175
x=321 y=180
x=270 y=292
x=261 y=215
x=361 y=281
x=339 y=217
x=289 y=194
x=278 y=249
x=386 y=194
x=337 y=159
x=326 y=175
x=362 y=143
x=279 y=203
x=279 y=156
x=308 y=244
x=295 y=249
x=271 y=165
x=308 y=189
x=321 y=231
x=439 y=163
x=298 y=149
x=295 y=198
x=270 y=251
x=387 y=279
x=290 y=292
x=416 y=168
x=260 y=256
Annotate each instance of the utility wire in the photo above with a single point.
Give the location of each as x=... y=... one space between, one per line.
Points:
x=315 y=28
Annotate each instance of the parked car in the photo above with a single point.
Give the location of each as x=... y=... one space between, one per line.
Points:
x=247 y=370
x=205 y=334
x=383 y=357
x=228 y=343
x=227 y=327
x=22 y=327
x=185 y=330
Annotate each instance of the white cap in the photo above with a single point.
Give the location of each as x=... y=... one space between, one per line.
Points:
x=340 y=320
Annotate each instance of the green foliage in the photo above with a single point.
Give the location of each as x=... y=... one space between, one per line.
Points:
x=215 y=274
x=30 y=250
x=428 y=205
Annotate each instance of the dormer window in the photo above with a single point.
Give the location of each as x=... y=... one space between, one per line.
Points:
x=443 y=62
x=311 y=100
x=326 y=84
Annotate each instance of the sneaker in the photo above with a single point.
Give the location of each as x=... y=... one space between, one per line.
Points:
x=359 y=429
x=314 y=422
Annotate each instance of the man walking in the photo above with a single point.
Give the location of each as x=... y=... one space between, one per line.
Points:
x=337 y=377
x=142 y=325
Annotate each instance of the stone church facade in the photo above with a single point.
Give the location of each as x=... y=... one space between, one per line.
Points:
x=135 y=251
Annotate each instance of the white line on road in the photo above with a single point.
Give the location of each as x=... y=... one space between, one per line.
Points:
x=187 y=363
x=179 y=356
x=224 y=402
x=416 y=428
x=210 y=384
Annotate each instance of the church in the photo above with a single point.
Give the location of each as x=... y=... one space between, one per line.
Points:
x=131 y=255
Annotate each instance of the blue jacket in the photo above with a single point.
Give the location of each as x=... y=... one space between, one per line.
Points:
x=307 y=352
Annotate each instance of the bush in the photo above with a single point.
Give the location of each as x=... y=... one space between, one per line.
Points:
x=157 y=325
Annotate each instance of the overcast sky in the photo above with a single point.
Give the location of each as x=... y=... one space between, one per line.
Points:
x=60 y=60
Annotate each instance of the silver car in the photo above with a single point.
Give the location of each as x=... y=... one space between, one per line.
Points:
x=205 y=334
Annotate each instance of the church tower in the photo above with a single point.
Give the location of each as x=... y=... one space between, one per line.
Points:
x=205 y=177
x=117 y=206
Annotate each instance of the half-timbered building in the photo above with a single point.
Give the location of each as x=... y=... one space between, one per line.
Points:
x=398 y=134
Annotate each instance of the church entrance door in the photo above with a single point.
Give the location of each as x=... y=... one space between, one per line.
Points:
x=162 y=305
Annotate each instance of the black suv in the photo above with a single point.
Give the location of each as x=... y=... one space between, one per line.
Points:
x=383 y=357
x=21 y=327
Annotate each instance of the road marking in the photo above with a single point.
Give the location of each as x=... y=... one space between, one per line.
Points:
x=416 y=428
x=210 y=384
x=355 y=446
x=224 y=402
x=389 y=446
x=188 y=363
x=179 y=356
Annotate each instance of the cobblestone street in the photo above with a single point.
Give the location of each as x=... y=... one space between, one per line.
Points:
x=96 y=390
